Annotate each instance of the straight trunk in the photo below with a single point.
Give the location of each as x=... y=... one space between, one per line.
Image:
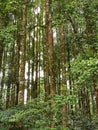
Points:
x=50 y=51
x=1 y=52
x=22 y=56
x=63 y=54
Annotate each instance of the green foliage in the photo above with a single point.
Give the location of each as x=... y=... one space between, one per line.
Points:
x=39 y=115
x=81 y=122
x=87 y=70
x=7 y=35
x=78 y=16
x=36 y=114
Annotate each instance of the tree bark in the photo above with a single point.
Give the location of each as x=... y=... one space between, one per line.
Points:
x=50 y=45
x=22 y=55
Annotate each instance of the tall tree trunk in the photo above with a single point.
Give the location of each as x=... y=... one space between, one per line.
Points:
x=1 y=52
x=29 y=63
x=50 y=46
x=2 y=94
x=22 y=55
x=63 y=53
x=16 y=65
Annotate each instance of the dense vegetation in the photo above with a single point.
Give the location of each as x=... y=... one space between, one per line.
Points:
x=49 y=65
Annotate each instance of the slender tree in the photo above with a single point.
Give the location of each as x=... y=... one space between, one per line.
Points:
x=22 y=53
x=50 y=46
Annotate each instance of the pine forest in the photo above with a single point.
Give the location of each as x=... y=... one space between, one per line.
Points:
x=48 y=64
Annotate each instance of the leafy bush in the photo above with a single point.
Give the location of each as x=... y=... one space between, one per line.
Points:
x=38 y=114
